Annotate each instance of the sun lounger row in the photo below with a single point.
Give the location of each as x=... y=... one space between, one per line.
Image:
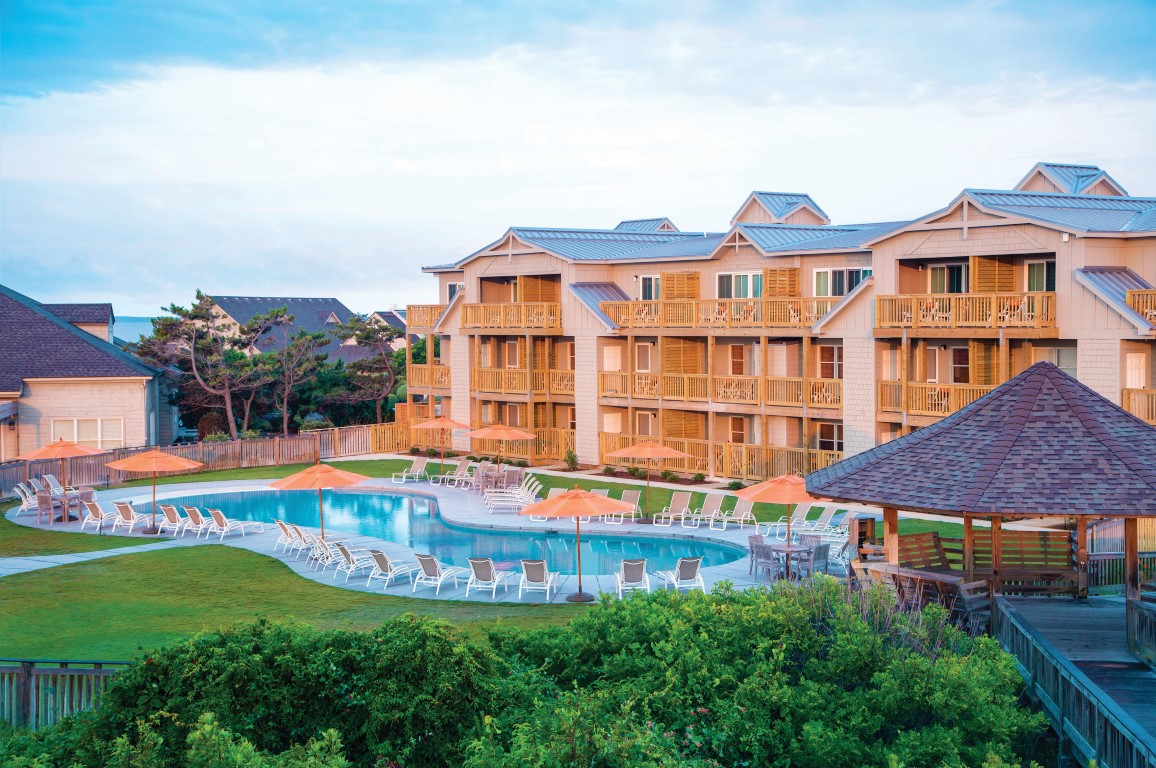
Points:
x=710 y=512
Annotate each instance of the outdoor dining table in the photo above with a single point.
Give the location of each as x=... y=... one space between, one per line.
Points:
x=789 y=551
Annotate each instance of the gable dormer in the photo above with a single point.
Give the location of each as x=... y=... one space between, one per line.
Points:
x=332 y=319
x=780 y=208
x=646 y=225
x=1069 y=179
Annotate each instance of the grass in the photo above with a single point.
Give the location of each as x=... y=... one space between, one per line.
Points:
x=117 y=607
x=22 y=541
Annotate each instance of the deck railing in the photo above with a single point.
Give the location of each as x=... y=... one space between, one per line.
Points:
x=736 y=389
x=550 y=444
x=1144 y=302
x=36 y=693
x=686 y=386
x=1141 y=618
x=782 y=390
x=1088 y=720
x=561 y=382
x=423 y=316
x=436 y=376
x=519 y=315
x=826 y=393
x=502 y=380
x=966 y=310
x=890 y=396
x=942 y=399
x=1141 y=403
x=737 y=460
x=719 y=313
x=742 y=390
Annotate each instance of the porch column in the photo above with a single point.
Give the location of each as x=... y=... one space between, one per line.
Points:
x=996 y=552
x=891 y=535
x=968 y=549
x=1082 y=557
x=1132 y=558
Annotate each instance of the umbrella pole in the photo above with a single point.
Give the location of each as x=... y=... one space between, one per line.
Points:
x=646 y=512
x=321 y=513
x=152 y=529
x=579 y=596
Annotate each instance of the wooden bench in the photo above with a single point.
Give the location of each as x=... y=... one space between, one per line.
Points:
x=1034 y=562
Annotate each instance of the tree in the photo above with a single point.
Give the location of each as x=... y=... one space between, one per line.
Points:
x=296 y=361
x=372 y=378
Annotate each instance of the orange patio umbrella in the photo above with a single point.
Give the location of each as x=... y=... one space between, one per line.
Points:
x=60 y=450
x=442 y=423
x=784 y=489
x=649 y=450
x=577 y=504
x=502 y=434
x=319 y=476
x=153 y=461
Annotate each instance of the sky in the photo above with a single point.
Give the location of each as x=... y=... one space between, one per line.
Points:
x=322 y=148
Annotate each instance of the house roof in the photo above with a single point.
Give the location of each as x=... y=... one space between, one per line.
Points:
x=771 y=238
x=39 y=344
x=1071 y=179
x=1111 y=285
x=780 y=204
x=89 y=314
x=1040 y=444
x=647 y=225
x=309 y=314
x=395 y=317
x=596 y=244
x=592 y=294
x=1082 y=213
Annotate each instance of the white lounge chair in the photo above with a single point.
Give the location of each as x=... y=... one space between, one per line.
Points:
x=127 y=517
x=483 y=575
x=710 y=510
x=94 y=515
x=798 y=519
x=197 y=522
x=416 y=471
x=27 y=497
x=687 y=574
x=172 y=520
x=386 y=570
x=618 y=518
x=678 y=508
x=56 y=489
x=631 y=575
x=351 y=561
x=222 y=525
x=536 y=577
x=462 y=470
x=286 y=538
x=434 y=573
x=742 y=515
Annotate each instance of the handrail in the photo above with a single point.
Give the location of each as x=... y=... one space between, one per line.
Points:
x=767 y=312
x=1033 y=309
x=66 y=661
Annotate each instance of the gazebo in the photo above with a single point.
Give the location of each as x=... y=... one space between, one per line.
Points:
x=1040 y=445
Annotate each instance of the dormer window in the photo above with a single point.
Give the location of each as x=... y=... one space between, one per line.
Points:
x=332 y=319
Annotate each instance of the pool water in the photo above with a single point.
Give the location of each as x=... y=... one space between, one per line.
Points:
x=413 y=521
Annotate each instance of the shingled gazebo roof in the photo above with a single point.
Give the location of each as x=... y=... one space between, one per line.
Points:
x=1041 y=444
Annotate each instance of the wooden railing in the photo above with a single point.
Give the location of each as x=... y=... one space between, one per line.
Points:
x=502 y=380
x=1092 y=724
x=890 y=396
x=1141 y=403
x=699 y=451
x=561 y=382
x=686 y=386
x=942 y=399
x=1144 y=302
x=436 y=376
x=550 y=444
x=1141 y=618
x=1106 y=569
x=719 y=313
x=1108 y=535
x=735 y=389
x=36 y=693
x=737 y=460
x=966 y=310
x=423 y=316
x=783 y=391
x=826 y=393
x=702 y=387
x=517 y=315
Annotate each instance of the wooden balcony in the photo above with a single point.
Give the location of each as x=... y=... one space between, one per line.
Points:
x=686 y=386
x=428 y=376
x=740 y=390
x=518 y=316
x=719 y=313
x=737 y=460
x=522 y=381
x=550 y=445
x=422 y=317
x=929 y=399
x=736 y=389
x=560 y=382
x=1144 y=302
x=1141 y=403
x=967 y=310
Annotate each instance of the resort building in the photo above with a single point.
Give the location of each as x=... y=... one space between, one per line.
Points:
x=61 y=377
x=786 y=342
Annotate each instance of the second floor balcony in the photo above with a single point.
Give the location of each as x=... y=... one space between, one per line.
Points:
x=967 y=310
x=1141 y=403
x=719 y=313
x=515 y=316
x=427 y=376
x=422 y=317
x=739 y=390
x=523 y=381
x=1144 y=302
x=925 y=399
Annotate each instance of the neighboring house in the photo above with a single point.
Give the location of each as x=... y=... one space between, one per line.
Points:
x=394 y=318
x=787 y=342
x=61 y=378
x=309 y=314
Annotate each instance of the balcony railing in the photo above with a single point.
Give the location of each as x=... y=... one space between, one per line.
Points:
x=550 y=444
x=436 y=376
x=1144 y=302
x=742 y=390
x=736 y=389
x=719 y=313
x=891 y=396
x=516 y=316
x=929 y=399
x=783 y=391
x=826 y=393
x=686 y=386
x=967 y=310
x=560 y=382
x=1141 y=403
x=738 y=460
x=503 y=381
x=423 y=316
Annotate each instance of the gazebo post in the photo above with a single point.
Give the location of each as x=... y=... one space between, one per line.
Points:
x=1082 y=557
x=968 y=549
x=996 y=553
x=891 y=535
x=1132 y=558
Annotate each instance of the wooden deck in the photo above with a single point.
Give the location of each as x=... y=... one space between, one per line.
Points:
x=1090 y=636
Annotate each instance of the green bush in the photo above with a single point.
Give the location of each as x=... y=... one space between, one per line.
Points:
x=414 y=450
x=433 y=453
x=608 y=470
x=217 y=437
x=249 y=434
x=522 y=463
x=571 y=460
x=638 y=473
x=669 y=476
x=735 y=485
x=699 y=477
x=451 y=454
x=211 y=423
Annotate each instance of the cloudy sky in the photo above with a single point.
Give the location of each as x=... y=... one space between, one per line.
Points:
x=303 y=147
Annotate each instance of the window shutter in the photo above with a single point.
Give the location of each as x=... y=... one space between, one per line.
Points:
x=680 y=285
x=982 y=361
x=782 y=282
x=992 y=274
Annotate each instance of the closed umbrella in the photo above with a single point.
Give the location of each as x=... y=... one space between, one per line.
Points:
x=649 y=450
x=577 y=504
x=784 y=489
x=153 y=462
x=441 y=423
x=319 y=476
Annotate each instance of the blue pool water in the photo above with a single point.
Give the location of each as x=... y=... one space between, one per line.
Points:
x=413 y=521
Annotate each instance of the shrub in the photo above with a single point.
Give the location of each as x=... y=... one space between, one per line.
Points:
x=571 y=460
x=669 y=476
x=414 y=450
x=638 y=473
x=211 y=423
x=451 y=454
x=735 y=485
x=217 y=437
x=249 y=434
x=433 y=453
x=471 y=457
x=699 y=477
x=609 y=470
x=521 y=463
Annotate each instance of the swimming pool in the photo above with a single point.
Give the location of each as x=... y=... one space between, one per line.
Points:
x=410 y=521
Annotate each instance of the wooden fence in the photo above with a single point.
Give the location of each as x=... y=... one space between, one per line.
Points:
x=35 y=693
x=1141 y=619
x=233 y=454
x=1090 y=724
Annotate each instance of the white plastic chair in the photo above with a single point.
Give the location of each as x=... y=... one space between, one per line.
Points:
x=687 y=574
x=631 y=575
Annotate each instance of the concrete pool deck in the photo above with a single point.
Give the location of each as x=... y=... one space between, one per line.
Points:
x=455 y=506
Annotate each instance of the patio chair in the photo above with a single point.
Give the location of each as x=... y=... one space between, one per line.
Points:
x=321 y=554
x=386 y=570
x=742 y=515
x=127 y=517
x=631 y=575
x=709 y=512
x=687 y=574
x=416 y=471
x=601 y=492
x=38 y=486
x=630 y=496
x=56 y=489
x=974 y=606
x=483 y=575
x=95 y=515
x=779 y=527
x=27 y=497
x=172 y=520
x=45 y=507
x=222 y=525
x=809 y=563
x=462 y=470
x=822 y=524
x=751 y=541
x=197 y=522
x=435 y=574
x=286 y=538
x=536 y=577
x=764 y=557
x=351 y=561
x=679 y=507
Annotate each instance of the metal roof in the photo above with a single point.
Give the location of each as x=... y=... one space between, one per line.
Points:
x=591 y=294
x=646 y=225
x=1086 y=213
x=789 y=237
x=1072 y=179
x=1111 y=284
x=783 y=204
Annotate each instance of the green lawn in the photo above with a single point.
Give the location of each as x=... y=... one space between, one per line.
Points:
x=372 y=468
x=21 y=541
x=113 y=608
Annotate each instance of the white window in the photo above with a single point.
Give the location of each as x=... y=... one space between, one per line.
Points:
x=612 y=422
x=1041 y=276
x=1063 y=358
x=740 y=285
x=511 y=354
x=838 y=282
x=645 y=422
x=649 y=288
x=960 y=366
x=612 y=357
x=91 y=433
x=830 y=361
x=453 y=289
x=949 y=278
x=830 y=436
x=643 y=357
